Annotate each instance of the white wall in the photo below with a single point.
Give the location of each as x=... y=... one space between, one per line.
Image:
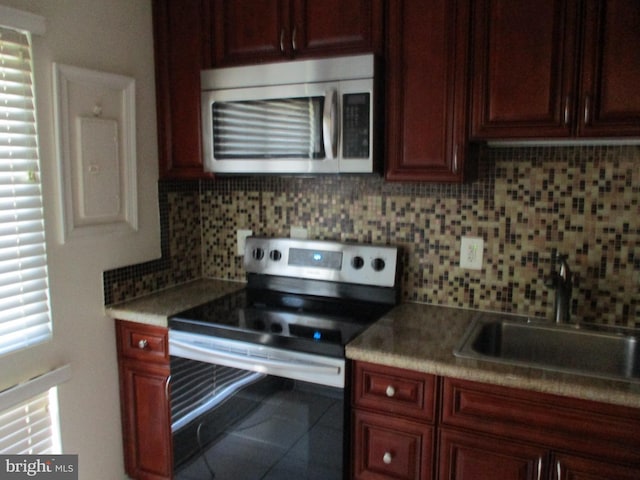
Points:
x=112 y=36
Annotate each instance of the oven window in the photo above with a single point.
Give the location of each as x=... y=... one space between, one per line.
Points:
x=261 y=129
x=231 y=423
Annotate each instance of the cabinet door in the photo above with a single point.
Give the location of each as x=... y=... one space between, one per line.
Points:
x=569 y=467
x=523 y=72
x=336 y=27
x=386 y=447
x=250 y=32
x=611 y=72
x=467 y=456
x=146 y=420
x=426 y=90
x=179 y=36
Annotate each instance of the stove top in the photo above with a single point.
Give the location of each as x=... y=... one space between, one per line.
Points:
x=307 y=295
x=298 y=322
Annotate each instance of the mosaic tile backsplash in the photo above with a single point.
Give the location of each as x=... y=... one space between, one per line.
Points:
x=527 y=204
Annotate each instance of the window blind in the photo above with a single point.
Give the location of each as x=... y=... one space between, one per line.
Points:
x=24 y=292
x=27 y=429
x=29 y=415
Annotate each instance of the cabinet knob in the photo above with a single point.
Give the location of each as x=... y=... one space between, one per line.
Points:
x=142 y=344
x=390 y=391
x=387 y=457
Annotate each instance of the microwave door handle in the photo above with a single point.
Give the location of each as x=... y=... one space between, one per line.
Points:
x=330 y=124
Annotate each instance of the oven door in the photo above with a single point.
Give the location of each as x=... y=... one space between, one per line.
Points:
x=240 y=412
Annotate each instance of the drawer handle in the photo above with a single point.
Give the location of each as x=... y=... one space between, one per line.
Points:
x=387 y=457
x=587 y=109
x=566 y=110
x=142 y=344
x=390 y=391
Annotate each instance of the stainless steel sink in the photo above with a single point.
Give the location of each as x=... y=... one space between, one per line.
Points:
x=595 y=351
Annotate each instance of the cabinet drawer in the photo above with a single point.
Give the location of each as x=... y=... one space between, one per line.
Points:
x=142 y=342
x=394 y=390
x=388 y=447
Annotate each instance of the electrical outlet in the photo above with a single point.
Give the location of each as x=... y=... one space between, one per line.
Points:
x=241 y=240
x=471 y=251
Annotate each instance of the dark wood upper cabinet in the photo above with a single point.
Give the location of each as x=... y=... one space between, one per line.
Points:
x=337 y=27
x=609 y=86
x=248 y=32
x=179 y=37
x=555 y=69
x=524 y=68
x=271 y=30
x=427 y=75
x=191 y=35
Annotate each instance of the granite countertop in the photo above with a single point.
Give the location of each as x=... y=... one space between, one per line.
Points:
x=422 y=338
x=413 y=336
x=155 y=309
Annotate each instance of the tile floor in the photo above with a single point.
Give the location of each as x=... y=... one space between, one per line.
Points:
x=294 y=434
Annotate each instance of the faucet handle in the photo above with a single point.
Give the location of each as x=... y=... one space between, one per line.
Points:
x=562 y=274
x=565 y=271
x=551 y=280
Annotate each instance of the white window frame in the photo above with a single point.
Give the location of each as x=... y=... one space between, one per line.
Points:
x=29 y=419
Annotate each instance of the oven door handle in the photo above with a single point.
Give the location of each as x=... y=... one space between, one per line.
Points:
x=250 y=362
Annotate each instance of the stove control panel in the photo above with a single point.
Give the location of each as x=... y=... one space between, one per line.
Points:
x=323 y=260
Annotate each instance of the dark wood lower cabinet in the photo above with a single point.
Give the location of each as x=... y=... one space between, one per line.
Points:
x=148 y=424
x=391 y=447
x=571 y=467
x=410 y=425
x=143 y=362
x=473 y=456
x=464 y=455
x=393 y=423
x=487 y=430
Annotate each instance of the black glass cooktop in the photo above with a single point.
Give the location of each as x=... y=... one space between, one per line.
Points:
x=299 y=322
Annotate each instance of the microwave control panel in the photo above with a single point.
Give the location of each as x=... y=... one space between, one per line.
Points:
x=355 y=124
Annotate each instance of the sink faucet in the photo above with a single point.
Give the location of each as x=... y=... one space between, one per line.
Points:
x=561 y=281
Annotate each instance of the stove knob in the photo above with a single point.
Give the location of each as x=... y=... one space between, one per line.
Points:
x=357 y=262
x=275 y=255
x=378 y=264
x=257 y=254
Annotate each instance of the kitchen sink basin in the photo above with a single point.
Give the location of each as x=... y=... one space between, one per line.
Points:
x=598 y=351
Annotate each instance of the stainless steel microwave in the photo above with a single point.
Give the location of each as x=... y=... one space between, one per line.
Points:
x=299 y=117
